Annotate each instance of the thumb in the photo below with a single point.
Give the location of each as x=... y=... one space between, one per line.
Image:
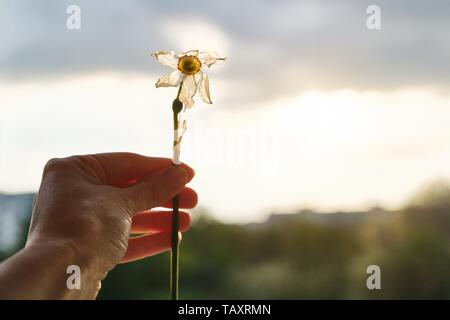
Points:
x=156 y=189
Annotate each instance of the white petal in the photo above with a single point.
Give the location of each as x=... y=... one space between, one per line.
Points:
x=198 y=78
x=168 y=59
x=191 y=53
x=172 y=79
x=203 y=89
x=188 y=90
x=209 y=58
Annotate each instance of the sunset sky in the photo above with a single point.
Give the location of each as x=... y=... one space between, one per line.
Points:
x=311 y=109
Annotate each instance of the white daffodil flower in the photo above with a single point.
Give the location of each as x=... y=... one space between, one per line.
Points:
x=188 y=73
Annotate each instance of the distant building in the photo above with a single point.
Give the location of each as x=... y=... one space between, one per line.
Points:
x=14 y=210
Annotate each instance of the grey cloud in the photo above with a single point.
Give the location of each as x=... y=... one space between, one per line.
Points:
x=279 y=48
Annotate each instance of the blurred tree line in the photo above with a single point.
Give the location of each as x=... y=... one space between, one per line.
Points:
x=299 y=259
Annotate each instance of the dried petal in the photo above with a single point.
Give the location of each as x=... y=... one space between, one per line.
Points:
x=203 y=89
x=188 y=90
x=168 y=59
x=209 y=58
x=191 y=53
x=182 y=129
x=198 y=78
x=172 y=79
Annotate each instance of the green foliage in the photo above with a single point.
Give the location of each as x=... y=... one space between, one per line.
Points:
x=300 y=259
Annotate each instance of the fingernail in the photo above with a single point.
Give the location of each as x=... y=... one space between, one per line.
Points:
x=175 y=176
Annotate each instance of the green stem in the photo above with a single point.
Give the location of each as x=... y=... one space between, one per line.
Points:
x=174 y=255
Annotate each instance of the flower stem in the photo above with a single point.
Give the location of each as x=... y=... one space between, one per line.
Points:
x=177 y=106
x=174 y=255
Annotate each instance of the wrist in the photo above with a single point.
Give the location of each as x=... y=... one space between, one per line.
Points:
x=75 y=271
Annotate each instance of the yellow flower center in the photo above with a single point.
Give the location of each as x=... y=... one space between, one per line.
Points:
x=189 y=65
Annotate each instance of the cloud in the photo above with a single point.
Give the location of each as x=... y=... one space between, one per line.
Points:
x=185 y=34
x=275 y=49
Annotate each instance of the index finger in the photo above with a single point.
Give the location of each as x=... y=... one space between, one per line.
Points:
x=123 y=169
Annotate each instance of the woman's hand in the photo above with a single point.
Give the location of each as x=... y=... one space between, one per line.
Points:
x=87 y=206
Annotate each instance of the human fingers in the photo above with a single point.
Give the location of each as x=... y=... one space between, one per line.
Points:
x=158 y=221
x=154 y=190
x=148 y=245
x=188 y=199
x=124 y=169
